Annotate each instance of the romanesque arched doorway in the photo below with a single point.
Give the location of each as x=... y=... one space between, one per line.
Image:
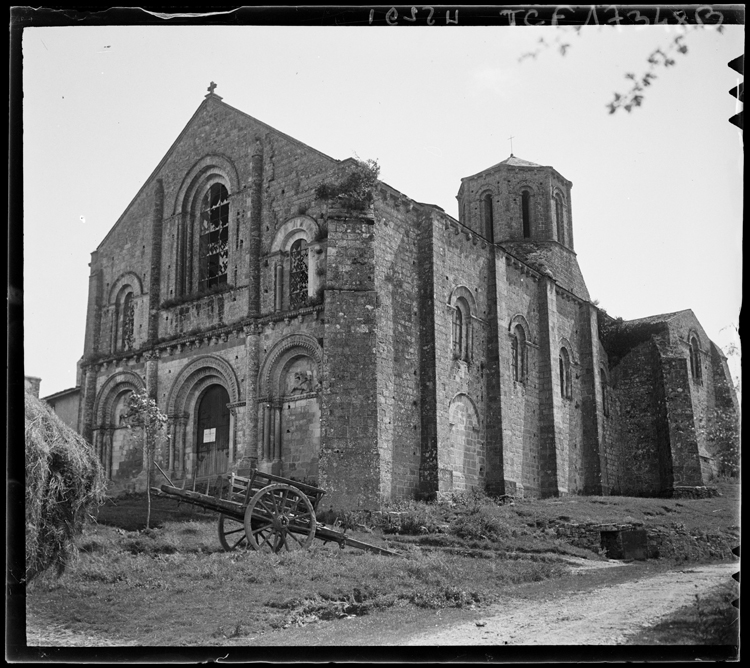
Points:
x=203 y=398
x=212 y=439
x=120 y=449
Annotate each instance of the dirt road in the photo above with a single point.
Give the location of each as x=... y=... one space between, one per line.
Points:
x=600 y=617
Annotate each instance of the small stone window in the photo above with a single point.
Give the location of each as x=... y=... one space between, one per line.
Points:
x=214 y=237
x=566 y=381
x=560 y=217
x=458 y=333
x=462 y=330
x=488 y=216
x=128 y=322
x=124 y=321
x=518 y=345
x=298 y=266
x=526 y=213
x=696 y=369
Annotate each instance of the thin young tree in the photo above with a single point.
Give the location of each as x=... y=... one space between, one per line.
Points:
x=143 y=413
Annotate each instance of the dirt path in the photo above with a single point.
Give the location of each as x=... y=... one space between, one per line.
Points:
x=601 y=617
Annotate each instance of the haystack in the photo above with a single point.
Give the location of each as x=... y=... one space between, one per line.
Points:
x=64 y=484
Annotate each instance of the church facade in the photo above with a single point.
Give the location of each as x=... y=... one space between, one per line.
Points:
x=386 y=351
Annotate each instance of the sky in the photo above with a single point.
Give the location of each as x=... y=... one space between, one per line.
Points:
x=657 y=193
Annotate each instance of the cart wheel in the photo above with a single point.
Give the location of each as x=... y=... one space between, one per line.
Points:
x=280 y=517
x=232 y=533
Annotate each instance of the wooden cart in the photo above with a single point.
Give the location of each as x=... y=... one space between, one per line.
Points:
x=266 y=512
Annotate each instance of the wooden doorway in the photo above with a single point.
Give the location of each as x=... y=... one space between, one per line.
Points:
x=213 y=432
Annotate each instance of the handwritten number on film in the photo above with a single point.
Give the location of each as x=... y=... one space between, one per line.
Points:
x=596 y=15
x=391 y=16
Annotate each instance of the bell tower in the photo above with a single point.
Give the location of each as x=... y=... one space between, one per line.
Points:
x=517 y=200
x=525 y=208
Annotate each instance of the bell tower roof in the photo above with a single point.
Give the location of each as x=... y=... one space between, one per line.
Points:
x=513 y=161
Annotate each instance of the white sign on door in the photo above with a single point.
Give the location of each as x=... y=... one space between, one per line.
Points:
x=209 y=435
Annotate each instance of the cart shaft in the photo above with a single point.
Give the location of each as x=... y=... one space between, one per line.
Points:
x=231 y=508
x=324 y=533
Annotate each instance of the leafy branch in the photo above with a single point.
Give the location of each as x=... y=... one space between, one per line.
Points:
x=558 y=44
x=658 y=58
x=662 y=57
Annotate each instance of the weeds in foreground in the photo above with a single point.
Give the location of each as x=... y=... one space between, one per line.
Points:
x=484 y=522
x=163 y=580
x=718 y=618
x=461 y=551
x=711 y=619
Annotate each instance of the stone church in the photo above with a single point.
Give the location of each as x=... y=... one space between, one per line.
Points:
x=382 y=352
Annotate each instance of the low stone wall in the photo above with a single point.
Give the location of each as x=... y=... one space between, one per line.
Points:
x=588 y=536
x=673 y=542
x=676 y=542
x=693 y=492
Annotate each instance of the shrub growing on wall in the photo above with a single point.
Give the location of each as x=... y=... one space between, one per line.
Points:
x=353 y=189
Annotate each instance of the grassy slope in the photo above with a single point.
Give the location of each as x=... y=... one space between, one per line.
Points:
x=174 y=585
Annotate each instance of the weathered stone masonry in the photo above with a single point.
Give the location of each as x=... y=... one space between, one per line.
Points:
x=385 y=352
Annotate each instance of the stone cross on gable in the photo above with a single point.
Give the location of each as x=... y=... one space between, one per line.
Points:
x=211 y=87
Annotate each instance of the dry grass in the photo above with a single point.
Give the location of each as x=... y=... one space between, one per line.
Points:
x=694 y=530
x=64 y=483
x=174 y=585
x=711 y=619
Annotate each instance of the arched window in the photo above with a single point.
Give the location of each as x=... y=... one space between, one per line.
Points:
x=128 y=321
x=298 y=264
x=123 y=327
x=462 y=330
x=526 y=213
x=214 y=237
x=458 y=333
x=560 y=217
x=696 y=370
x=518 y=345
x=488 y=217
x=566 y=383
x=605 y=392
